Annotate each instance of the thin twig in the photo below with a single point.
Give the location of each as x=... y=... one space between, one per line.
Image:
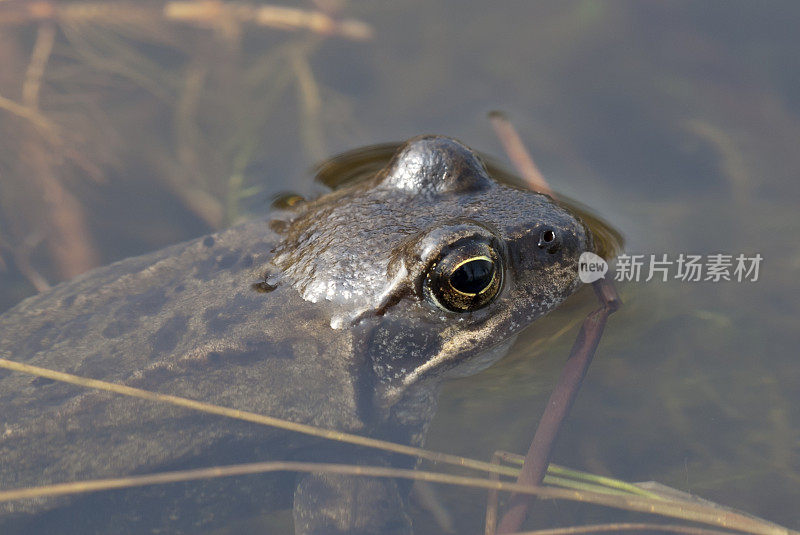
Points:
x=518 y=154
x=45 y=37
x=559 y=404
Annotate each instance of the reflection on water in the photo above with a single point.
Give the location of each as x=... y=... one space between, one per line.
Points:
x=677 y=122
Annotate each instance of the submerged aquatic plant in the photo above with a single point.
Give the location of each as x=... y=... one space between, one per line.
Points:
x=99 y=97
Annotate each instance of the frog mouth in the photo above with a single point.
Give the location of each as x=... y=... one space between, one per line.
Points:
x=442 y=367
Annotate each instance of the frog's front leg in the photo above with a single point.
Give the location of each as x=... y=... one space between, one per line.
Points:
x=331 y=504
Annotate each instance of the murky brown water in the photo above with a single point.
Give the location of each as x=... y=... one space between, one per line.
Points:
x=677 y=122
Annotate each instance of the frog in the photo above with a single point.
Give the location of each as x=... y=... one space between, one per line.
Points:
x=346 y=312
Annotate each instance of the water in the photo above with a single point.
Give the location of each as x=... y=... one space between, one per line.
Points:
x=677 y=122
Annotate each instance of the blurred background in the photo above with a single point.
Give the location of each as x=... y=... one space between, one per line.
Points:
x=126 y=127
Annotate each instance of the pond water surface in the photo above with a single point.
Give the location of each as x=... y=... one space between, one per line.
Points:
x=677 y=122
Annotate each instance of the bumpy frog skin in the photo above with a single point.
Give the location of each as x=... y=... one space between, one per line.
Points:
x=345 y=312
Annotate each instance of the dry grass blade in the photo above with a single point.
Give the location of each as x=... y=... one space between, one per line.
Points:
x=43 y=125
x=628 y=526
x=79 y=487
x=21 y=256
x=705 y=515
x=102 y=50
x=209 y=12
x=311 y=103
x=45 y=38
x=205 y=13
x=255 y=418
x=673 y=508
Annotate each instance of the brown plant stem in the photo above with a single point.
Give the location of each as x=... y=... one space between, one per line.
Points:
x=566 y=390
x=518 y=154
x=559 y=404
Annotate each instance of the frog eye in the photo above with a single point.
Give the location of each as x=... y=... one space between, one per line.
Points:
x=466 y=277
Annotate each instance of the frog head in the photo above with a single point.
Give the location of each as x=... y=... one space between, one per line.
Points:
x=432 y=264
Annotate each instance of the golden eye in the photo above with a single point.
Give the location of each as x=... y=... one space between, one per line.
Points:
x=466 y=277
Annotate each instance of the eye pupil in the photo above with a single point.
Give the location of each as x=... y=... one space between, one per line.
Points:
x=548 y=236
x=473 y=276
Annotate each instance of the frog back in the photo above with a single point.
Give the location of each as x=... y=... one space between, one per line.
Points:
x=186 y=321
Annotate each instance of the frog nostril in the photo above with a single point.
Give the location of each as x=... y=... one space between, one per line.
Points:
x=548 y=239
